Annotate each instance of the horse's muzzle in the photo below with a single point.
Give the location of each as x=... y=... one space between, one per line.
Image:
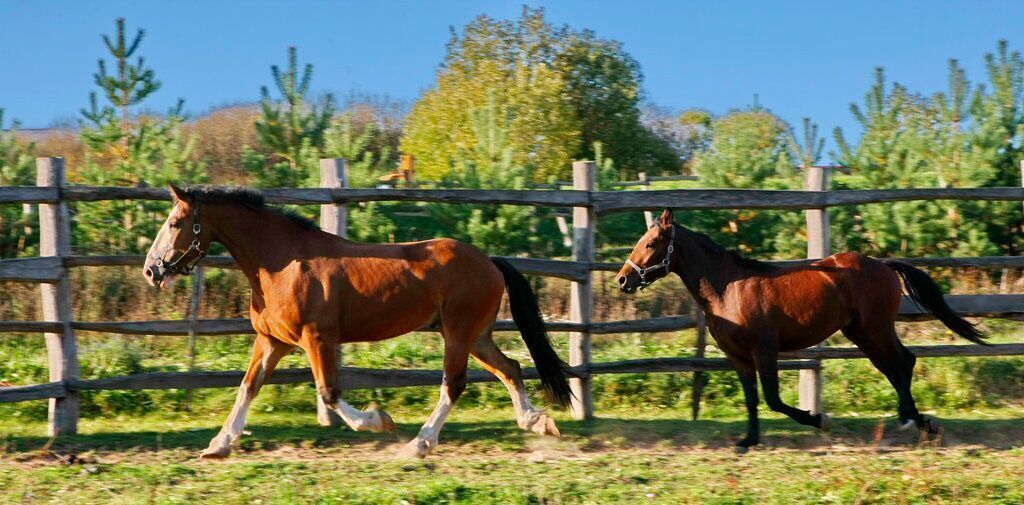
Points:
x=626 y=285
x=155 y=275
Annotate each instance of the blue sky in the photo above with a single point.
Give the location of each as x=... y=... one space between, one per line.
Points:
x=801 y=58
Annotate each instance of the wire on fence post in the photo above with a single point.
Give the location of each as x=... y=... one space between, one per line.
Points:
x=817 y=247
x=333 y=219
x=581 y=298
x=61 y=348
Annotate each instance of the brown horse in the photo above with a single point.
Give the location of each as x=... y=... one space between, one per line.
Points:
x=756 y=310
x=315 y=290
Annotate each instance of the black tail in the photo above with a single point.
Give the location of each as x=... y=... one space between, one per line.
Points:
x=923 y=290
x=525 y=312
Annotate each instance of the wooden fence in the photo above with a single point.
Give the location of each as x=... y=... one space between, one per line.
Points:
x=50 y=270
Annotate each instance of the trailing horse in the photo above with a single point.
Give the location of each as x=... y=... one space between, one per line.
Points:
x=756 y=310
x=316 y=290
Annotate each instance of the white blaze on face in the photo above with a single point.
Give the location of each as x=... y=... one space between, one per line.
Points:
x=162 y=249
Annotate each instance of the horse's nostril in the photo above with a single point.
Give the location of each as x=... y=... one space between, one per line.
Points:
x=149 y=272
x=622 y=280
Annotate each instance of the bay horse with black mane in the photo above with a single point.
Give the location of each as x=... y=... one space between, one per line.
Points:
x=756 y=310
x=316 y=290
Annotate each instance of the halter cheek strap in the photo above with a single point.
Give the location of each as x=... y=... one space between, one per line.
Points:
x=179 y=266
x=642 y=272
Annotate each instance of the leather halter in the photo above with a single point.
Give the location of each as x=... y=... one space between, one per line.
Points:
x=178 y=266
x=664 y=263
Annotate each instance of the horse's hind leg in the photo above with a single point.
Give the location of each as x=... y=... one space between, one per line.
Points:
x=510 y=373
x=324 y=363
x=883 y=347
x=768 y=368
x=266 y=353
x=453 y=383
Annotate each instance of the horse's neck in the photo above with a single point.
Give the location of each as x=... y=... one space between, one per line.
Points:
x=257 y=239
x=704 y=273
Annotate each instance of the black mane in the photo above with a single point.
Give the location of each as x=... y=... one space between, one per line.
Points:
x=713 y=247
x=248 y=197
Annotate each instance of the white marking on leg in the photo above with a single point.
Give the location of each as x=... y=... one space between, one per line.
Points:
x=357 y=419
x=426 y=440
x=529 y=417
x=235 y=423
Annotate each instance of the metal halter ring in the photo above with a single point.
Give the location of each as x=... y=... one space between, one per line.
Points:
x=642 y=272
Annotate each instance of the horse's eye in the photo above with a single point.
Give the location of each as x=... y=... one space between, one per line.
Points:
x=174 y=224
x=650 y=245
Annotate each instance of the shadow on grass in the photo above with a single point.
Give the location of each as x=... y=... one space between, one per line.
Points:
x=591 y=435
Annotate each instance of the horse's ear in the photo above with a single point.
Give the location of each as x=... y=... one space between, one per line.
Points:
x=666 y=218
x=177 y=193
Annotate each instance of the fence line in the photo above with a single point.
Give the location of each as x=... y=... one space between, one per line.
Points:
x=52 y=267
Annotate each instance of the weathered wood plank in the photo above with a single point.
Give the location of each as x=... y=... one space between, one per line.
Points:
x=625 y=201
x=353 y=195
x=30 y=326
x=28 y=194
x=61 y=345
x=969 y=306
x=238 y=326
x=34 y=392
x=921 y=351
x=570 y=270
x=995 y=306
x=655 y=365
x=112 y=260
x=40 y=269
x=603 y=201
x=979 y=262
x=581 y=295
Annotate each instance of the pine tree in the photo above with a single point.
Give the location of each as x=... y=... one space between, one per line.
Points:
x=17 y=168
x=290 y=129
x=123 y=149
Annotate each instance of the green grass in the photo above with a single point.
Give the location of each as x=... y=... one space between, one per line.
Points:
x=653 y=456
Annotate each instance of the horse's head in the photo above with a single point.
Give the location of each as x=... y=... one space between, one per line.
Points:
x=652 y=256
x=181 y=242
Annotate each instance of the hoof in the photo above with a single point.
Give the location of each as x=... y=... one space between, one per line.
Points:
x=417 y=448
x=545 y=425
x=740 y=449
x=933 y=426
x=386 y=424
x=910 y=423
x=215 y=453
x=824 y=422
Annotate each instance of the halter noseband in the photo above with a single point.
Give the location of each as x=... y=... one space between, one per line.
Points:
x=642 y=272
x=178 y=266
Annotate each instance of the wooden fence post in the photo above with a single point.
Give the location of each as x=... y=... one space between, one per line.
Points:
x=817 y=247
x=61 y=348
x=193 y=324
x=333 y=219
x=581 y=298
x=698 y=377
x=645 y=184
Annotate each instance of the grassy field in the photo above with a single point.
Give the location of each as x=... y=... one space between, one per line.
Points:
x=647 y=456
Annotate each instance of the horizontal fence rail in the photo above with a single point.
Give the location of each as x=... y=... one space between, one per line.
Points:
x=49 y=269
x=64 y=387
x=602 y=201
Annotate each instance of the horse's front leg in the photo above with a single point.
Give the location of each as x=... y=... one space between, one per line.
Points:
x=748 y=379
x=266 y=353
x=324 y=363
x=768 y=369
